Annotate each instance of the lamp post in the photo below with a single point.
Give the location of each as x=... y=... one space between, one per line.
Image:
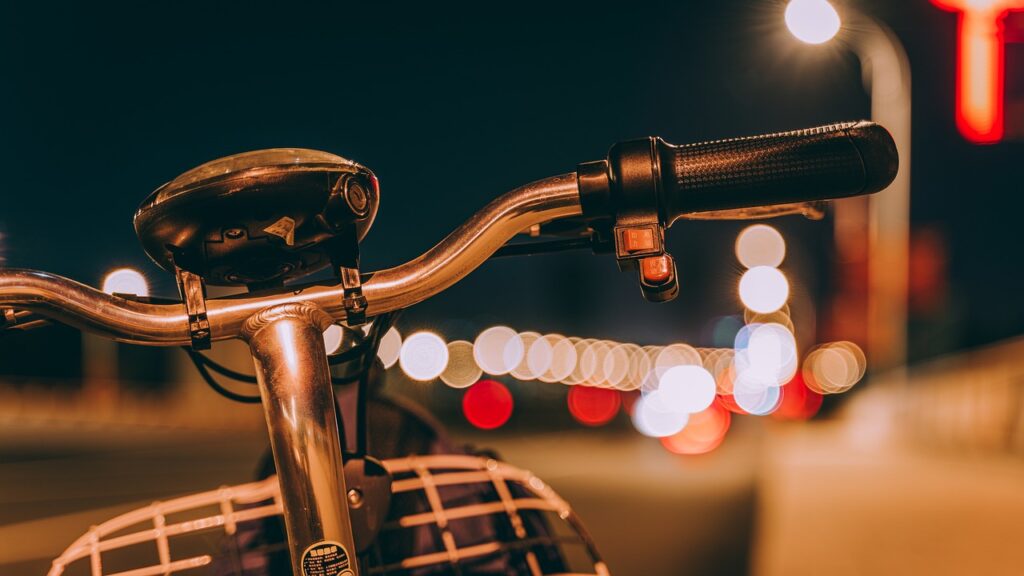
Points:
x=886 y=78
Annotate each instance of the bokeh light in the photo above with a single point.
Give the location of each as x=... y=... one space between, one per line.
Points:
x=522 y=370
x=488 y=404
x=616 y=366
x=650 y=419
x=424 y=356
x=539 y=356
x=677 y=355
x=812 y=21
x=592 y=363
x=498 y=350
x=765 y=356
x=126 y=281
x=703 y=433
x=764 y=289
x=333 y=337
x=593 y=406
x=462 y=370
x=757 y=402
x=563 y=358
x=760 y=245
x=798 y=401
x=686 y=388
x=834 y=368
x=390 y=347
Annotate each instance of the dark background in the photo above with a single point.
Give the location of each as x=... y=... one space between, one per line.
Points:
x=451 y=106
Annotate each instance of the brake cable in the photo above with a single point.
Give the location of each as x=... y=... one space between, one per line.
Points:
x=363 y=353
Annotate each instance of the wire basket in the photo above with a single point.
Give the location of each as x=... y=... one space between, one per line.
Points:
x=450 y=514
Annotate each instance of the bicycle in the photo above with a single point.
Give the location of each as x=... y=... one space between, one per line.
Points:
x=265 y=219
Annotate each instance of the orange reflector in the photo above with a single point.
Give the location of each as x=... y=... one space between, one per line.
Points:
x=638 y=239
x=656 y=269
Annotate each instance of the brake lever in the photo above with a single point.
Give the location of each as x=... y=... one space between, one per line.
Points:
x=809 y=210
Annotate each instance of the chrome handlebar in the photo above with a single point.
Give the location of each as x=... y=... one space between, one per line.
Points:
x=452 y=259
x=461 y=252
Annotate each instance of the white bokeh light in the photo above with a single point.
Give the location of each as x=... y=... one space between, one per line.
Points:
x=333 y=337
x=650 y=419
x=390 y=347
x=812 y=21
x=764 y=289
x=539 y=356
x=522 y=370
x=498 y=350
x=126 y=281
x=765 y=355
x=563 y=359
x=685 y=388
x=758 y=403
x=462 y=371
x=424 y=356
x=760 y=245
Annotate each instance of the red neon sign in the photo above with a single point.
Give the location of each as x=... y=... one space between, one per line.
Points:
x=981 y=66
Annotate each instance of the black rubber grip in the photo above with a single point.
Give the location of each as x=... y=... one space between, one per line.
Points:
x=833 y=161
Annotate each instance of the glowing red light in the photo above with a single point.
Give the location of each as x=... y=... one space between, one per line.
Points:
x=487 y=404
x=981 y=66
x=702 y=434
x=593 y=406
x=798 y=401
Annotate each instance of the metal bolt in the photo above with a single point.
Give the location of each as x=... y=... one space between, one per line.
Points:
x=357 y=198
x=355 y=498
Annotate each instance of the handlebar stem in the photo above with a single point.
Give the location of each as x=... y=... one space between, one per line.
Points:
x=298 y=401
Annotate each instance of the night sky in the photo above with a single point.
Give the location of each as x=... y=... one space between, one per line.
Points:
x=453 y=106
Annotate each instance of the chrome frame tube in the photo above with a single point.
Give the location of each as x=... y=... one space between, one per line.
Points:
x=295 y=383
x=452 y=259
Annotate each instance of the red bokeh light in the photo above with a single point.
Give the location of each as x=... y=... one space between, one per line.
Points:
x=593 y=406
x=798 y=401
x=703 y=433
x=487 y=404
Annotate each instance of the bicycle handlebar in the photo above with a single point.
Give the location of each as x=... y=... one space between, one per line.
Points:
x=729 y=178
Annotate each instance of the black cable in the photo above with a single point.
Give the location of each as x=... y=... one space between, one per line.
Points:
x=220 y=368
x=346 y=356
x=381 y=325
x=199 y=361
x=364 y=353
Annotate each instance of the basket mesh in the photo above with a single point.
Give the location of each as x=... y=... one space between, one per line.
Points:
x=450 y=514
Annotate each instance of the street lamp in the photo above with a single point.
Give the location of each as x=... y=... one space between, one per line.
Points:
x=886 y=77
x=126 y=281
x=812 y=21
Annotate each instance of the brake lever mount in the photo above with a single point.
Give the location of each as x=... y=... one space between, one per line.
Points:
x=621 y=200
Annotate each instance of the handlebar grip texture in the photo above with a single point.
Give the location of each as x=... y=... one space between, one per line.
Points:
x=832 y=161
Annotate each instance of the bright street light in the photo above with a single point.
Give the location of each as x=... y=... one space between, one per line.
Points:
x=126 y=281
x=812 y=21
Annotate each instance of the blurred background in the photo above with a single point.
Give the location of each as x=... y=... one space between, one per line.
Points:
x=907 y=302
